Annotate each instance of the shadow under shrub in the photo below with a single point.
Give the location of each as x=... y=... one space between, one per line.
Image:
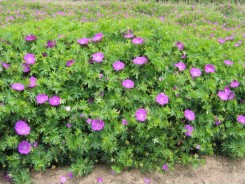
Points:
x=61 y=129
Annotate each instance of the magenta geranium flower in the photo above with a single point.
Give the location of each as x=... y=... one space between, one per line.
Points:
x=30 y=58
x=22 y=128
x=18 y=86
x=99 y=180
x=141 y=115
x=217 y=121
x=124 y=122
x=62 y=180
x=98 y=57
x=241 y=119
x=147 y=180
x=165 y=167
x=226 y=94
x=128 y=34
x=138 y=41
x=179 y=45
x=30 y=38
x=51 y=44
x=89 y=121
x=209 y=68
x=5 y=65
x=229 y=38
x=97 y=37
x=234 y=84
x=97 y=124
x=83 y=41
x=140 y=60
x=68 y=125
x=70 y=63
x=195 y=72
x=128 y=84
x=223 y=95
x=41 y=98
x=221 y=41
x=189 y=130
x=24 y=147
x=190 y=115
x=26 y=68
x=228 y=62
x=32 y=82
x=118 y=65
x=180 y=65
x=70 y=175
x=54 y=101
x=162 y=99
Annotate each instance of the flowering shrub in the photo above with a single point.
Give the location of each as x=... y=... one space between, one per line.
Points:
x=124 y=94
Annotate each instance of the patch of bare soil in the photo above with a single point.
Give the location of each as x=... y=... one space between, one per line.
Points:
x=216 y=170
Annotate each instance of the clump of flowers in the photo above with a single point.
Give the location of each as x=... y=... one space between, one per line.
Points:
x=226 y=94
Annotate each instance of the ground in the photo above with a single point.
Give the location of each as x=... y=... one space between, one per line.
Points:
x=217 y=170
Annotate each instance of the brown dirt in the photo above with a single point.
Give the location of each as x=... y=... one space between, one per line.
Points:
x=216 y=170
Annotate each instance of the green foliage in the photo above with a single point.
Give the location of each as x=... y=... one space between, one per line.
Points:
x=159 y=140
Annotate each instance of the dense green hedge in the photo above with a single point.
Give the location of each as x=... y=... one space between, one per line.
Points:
x=90 y=90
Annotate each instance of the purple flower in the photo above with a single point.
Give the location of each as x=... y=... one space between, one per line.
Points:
x=221 y=41
x=180 y=65
x=5 y=65
x=32 y=82
x=141 y=115
x=209 y=68
x=140 y=60
x=24 y=147
x=62 y=180
x=22 y=128
x=137 y=41
x=147 y=180
x=124 y=122
x=44 y=54
x=30 y=38
x=18 y=86
x=231 y=96
x=26 y=68
x=89 y=120
x=69 y=63
x=51 y=44
x=68 y=125
x=83 y=41
x=228 y=62
x=70 y=175
x=118 y=65
x=165 y=167
x=189 y=129
x=179 y=45
x=234 y=84
x=241 y=119
x=41 y=98
x=35 y=144
x=198 y=147
x=162 y=99
x=217 y=121
x=99 y=180
x=190 y=115
x=128 y=84
x=223 y=95
x=30 y=58
x=98 y=57
x=184 y=56
x=97 y=124
x=229 y=38
x=97 y=37
x=195 y=72
x=54 y=101
x=236 y=44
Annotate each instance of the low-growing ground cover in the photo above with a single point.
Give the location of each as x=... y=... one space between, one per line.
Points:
x=134 y=92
